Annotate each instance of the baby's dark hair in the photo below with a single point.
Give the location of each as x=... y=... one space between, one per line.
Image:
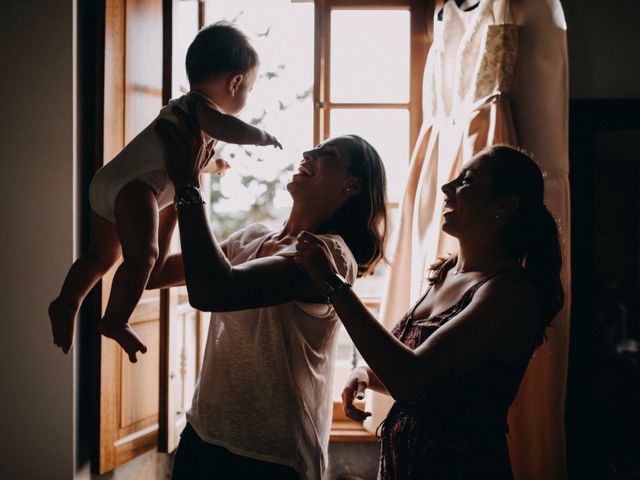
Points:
x=219 y=49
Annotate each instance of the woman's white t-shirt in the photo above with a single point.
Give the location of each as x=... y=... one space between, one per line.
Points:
x=265 y=386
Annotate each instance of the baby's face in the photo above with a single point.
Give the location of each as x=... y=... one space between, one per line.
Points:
x=238 y=101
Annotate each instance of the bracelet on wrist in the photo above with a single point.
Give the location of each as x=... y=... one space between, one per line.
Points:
x=334 y=283
x=188 y=195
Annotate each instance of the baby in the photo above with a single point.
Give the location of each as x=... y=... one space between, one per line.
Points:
x=130 y=195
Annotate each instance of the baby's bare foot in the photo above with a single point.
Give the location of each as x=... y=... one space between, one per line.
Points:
x=124 y=335
x=63 y=319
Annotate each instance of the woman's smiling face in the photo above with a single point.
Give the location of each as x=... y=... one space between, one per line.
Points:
x=469 y=205
x=323 y=174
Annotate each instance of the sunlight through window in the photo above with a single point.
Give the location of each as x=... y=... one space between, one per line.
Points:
x=386 y=130
x=372 y=66
x=253 y=190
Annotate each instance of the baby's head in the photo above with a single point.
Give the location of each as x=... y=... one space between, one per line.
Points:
x=222 y=62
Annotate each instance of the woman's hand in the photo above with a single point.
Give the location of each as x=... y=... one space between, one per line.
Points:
x=313 y=256
x=354 y=389
x=187 y=152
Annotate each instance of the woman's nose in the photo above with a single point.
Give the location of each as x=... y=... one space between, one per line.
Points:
x=447 y=187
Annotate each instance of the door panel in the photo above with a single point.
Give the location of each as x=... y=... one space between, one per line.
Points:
x=129 y=403
x=181 y=341
x=179 y=337
x=143 y=405
x=139 y=391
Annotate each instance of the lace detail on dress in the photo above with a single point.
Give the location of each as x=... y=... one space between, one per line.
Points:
x=497 y=61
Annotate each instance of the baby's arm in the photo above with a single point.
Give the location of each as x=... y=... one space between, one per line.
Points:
x=230 y=129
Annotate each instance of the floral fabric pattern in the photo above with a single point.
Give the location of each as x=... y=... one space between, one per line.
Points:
x=456 y=431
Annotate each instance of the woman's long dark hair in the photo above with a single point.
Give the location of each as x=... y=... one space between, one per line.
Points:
x=531 y=234
x=362 y=220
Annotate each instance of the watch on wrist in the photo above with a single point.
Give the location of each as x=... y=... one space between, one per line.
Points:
x=188 y=195
x=334 y=283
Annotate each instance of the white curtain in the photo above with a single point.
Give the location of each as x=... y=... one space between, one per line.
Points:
x=473 y=97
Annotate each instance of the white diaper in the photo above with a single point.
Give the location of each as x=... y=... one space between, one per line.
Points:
x=142 y=160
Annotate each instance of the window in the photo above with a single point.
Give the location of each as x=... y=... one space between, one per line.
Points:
x=253 y=190
x=369 y=84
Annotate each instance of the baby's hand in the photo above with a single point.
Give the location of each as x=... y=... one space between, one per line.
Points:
x=268 y=139
x=218 y=166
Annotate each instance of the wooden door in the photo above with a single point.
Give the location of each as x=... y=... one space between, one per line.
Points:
x=143 y=405
x=128 y=420
x=182 y=336
x=183 y=328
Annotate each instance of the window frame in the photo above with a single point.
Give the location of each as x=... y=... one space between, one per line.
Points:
x=419 y=45
x=421 y=12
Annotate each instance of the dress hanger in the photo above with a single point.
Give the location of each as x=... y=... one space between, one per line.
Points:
x=464 y=5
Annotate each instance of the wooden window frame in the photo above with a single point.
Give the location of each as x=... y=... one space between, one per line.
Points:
x=168 y=309
x=117 y=441
x=421 y=13
x=419 y=43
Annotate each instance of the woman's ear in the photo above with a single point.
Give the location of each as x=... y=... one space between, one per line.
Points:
x=234 y=82
x=353 y=188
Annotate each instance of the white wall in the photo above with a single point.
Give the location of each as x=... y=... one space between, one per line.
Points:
x=36 y=236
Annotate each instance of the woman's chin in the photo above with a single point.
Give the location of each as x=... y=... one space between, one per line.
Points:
x=447 y=228
x=293 y=188
x=297 y=184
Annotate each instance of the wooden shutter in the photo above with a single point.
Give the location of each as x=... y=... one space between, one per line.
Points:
x=182 y=336
x=182 y=326
x=128 y=405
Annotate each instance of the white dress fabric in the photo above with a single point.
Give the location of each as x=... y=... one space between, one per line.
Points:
x=141 y=159
x=265 y=387
x=540 y=96
x=465 y=107
x=496 y=73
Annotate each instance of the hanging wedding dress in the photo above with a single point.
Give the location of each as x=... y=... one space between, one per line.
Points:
x=464 y=109
x=482 y=71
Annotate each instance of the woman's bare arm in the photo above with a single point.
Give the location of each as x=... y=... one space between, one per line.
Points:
x=500 y=307
x=375 y=384
x=212 y=282
x=171 y=273
x=215 y=285
x=500 y=315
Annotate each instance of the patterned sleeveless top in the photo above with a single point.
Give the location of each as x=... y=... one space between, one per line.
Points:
x=456 y=431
